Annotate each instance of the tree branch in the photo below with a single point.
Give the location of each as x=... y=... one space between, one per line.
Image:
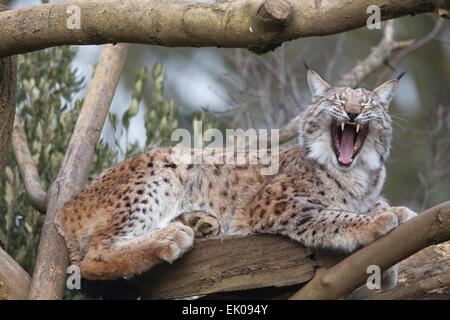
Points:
x=27 y=168
x=425 y=275
x=259 y=25
x=50 y=270
x=14 y=281
x=430 y=227
x=229 y=263
x=8 y=84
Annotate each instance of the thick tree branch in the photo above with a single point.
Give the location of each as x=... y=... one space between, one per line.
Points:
x=50 y=270
x=8 y=84
x=27 y=168
x=259 y=25
x=14 y=281
x=230 y=263
x=362 y=69
x=425 y=275
x=430 y=227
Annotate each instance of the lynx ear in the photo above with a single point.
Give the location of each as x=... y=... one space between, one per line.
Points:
x=386 y=91
x=317 y=85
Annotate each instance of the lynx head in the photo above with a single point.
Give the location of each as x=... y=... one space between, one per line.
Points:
x=346 y=128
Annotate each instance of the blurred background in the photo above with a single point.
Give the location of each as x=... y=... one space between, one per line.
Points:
x=165 y=88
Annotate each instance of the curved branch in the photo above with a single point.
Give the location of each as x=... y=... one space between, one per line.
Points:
x=50 y=270
x=27 y=168
x=259 y=25
x=430 y=227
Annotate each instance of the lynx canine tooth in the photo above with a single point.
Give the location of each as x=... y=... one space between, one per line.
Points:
x=342 y=125
x=357 y=127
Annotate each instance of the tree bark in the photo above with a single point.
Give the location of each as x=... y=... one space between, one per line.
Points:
x=428 y=228
x=8 y=84
x=425 y=275
x=223 y=264
x=259 y=25
x=51 y=264
x=14 y=281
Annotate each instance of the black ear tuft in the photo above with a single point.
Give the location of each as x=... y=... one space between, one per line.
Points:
x=306 y=66
x=401 y=75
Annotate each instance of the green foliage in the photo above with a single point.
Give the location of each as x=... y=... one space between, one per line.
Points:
x=160 y=114
x=45 y=90
x=49 y=111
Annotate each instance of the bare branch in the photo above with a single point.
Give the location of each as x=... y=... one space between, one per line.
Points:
x=27 y=168
x=259 y=25
x=14 y=281
x=50 y=270
x=376 y=57
x=411 y=47
x=430 y=227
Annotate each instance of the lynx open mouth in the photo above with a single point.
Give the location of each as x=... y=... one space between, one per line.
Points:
x=347 y=138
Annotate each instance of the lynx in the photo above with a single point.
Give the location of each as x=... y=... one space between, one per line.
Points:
x=325 y=195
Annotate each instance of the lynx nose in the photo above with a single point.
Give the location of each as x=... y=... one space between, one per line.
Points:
x=353 y=110
x=352 y=115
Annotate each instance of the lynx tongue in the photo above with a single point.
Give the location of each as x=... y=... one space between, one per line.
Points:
x=346 y=147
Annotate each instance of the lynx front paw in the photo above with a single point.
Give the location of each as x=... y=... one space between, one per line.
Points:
x=384 y=223
x=177 y=239
x=403 y=213
x=202 y=223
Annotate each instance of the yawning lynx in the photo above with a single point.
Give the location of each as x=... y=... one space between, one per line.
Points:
x=326 y=193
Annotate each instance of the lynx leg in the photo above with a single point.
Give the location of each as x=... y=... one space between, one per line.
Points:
x=138 y=255
x=403 y=213
x=201 y=222
x=389 y=278
x=339 y=230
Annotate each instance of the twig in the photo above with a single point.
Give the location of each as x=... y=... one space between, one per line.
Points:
x=27 y=168
x=50 y=270
x=430 y=227
x=410 y=48
x=376 y=57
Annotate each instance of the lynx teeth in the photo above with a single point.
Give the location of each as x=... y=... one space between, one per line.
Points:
x=357 y=127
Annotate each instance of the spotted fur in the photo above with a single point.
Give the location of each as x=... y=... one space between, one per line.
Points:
x=130 y=217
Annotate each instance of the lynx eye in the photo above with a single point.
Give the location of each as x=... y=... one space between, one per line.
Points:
x=338 y=102
x=367 y=105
